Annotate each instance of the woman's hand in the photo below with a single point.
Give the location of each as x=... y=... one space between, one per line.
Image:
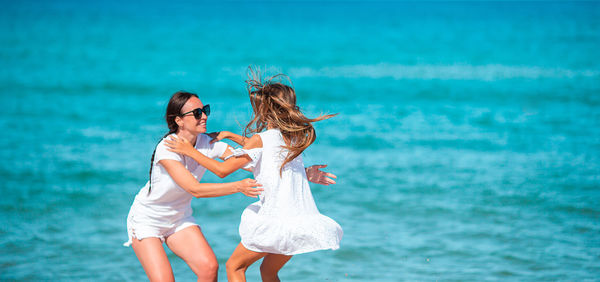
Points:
x=179 y=145
x=247 y=187
x=320 y=177
x=218 y=136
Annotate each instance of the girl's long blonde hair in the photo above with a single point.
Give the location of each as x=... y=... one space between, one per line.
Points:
x=274 y=105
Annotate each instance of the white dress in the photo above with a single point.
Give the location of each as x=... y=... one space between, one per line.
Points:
x=285 y=220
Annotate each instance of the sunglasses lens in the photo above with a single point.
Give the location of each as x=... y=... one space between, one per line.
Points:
x=198 y=113
x=207 y=110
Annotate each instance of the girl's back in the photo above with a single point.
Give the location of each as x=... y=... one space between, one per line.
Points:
x=288 y=193
x=286 y=219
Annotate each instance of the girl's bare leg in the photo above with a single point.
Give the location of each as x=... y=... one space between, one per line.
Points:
x=271 y=266
x=190 y=245
x=239 y=261
x=153 y=258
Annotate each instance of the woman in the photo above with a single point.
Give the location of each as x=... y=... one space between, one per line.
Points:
x=161 y=211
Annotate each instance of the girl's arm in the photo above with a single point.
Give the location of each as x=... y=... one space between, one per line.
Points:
x=315 y=175
x=188 y=182
x=218 y=136
x=221 y=169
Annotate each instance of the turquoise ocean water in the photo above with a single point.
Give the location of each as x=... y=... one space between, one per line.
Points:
x=467 y=143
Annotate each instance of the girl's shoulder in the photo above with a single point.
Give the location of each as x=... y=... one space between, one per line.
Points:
x=270 y=133
x=255 y=141
x=270 y=137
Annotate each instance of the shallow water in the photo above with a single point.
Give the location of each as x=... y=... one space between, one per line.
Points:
x=467 y=142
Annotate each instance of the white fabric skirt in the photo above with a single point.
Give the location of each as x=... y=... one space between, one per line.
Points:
x=290 y=235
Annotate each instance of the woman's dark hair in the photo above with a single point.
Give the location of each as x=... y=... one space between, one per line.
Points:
x=173 y=110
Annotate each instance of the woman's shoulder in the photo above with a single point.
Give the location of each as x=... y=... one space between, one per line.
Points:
x=162 y=144
x=162 y=151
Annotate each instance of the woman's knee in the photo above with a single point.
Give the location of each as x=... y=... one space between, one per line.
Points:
x=206 y=265
x=212 y=267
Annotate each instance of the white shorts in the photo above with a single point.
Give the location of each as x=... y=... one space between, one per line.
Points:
x=141 y=230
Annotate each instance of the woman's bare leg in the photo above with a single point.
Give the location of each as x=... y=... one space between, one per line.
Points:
x=191 y=246
x=239 y=261
x=271 y=266
x=153 y=258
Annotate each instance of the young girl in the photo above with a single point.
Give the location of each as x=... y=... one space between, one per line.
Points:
x=285 y=221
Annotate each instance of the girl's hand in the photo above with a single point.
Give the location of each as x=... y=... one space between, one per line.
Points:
x=320 y=177
x=218 y=136
x=179 y=145
x=247 y=187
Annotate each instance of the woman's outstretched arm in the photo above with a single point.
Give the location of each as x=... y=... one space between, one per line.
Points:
x=188 y=182
x=221 y=169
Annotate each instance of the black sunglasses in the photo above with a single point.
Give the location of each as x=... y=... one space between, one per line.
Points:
x=198 y=112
